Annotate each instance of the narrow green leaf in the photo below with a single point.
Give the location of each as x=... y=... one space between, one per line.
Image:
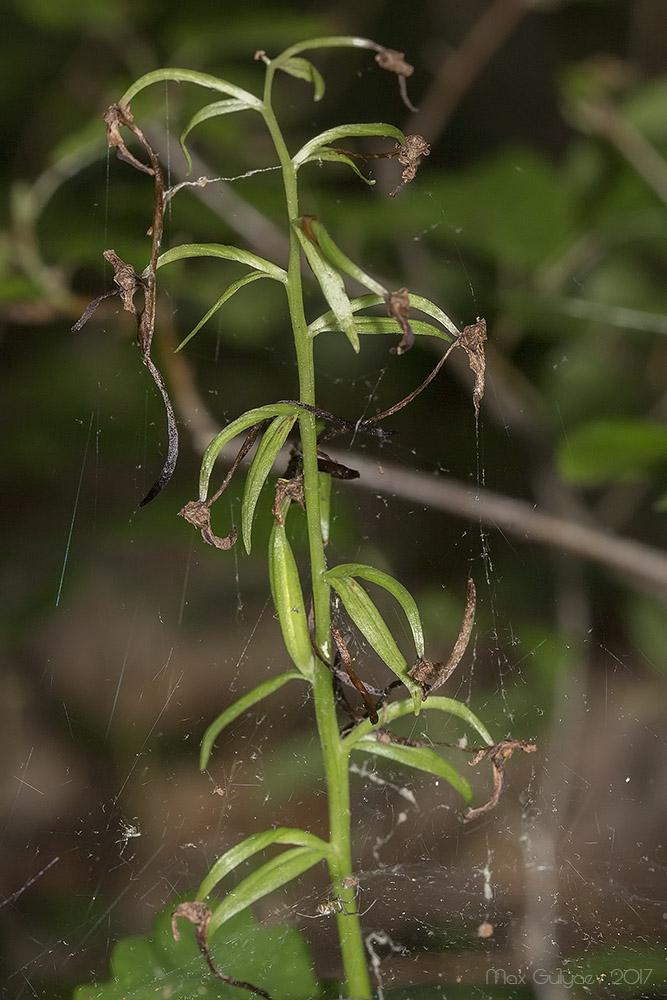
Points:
x=242 y=423
x=396 y=589
x=288 y=600
x=303 y=69
x=242 y=705
x=397 y=709
x=188 y=250
x=173 y=75
x=256 y=842
x=276 y=872
x=227 y=294
x=342 y=262
x=370 y=622
x=272 y=441
x=327 y=155
x=331 y=284
x=214 y=110
x=325 y=322
x=368 y=325
x=345 y=132
x=421 y=758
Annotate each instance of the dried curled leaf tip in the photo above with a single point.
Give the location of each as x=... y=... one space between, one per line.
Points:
x=198 y=513
x=498 y=756
x=472 y=341
x=114 y=117
x=198 y=914
x=409 y=154
x=394 y=62
x=430 y=675
x=398 y=306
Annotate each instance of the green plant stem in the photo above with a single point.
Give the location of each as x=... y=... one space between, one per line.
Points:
x=334 y=755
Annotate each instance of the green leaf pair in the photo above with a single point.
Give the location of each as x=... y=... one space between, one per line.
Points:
x=370 y=622
x=362 y=738
x=261 y=268
x=308 y=851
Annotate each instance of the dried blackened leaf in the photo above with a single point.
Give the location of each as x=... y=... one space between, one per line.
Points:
x=200 y=914
x=472 y=341
x=431 y=676
x=198 y=513
x=90 y=309
x=347 y=663
x=498 y=755
x=335 y=469
x=398 y=306
x=409 y=154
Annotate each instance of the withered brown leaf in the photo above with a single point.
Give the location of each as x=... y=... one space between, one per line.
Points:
x=498 y=755
x=409 y=154
x=398 y=306
x=200 y=914
x=198 y=513
x=430 y=675
x=472 y=341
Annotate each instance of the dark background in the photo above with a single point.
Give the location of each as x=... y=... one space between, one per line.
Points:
x=542 y=207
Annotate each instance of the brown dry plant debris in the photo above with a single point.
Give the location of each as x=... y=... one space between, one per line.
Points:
x=431 y=676
x=498 y=755
x=129 y=283
x=200 y=914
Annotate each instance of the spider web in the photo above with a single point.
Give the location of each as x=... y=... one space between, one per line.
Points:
x=566 y=873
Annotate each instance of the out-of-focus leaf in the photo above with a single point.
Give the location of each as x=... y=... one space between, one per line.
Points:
x=241 y=705
x=288 y=600
x=309 y=150
x=252 y=845
x=242 y=423
x=372 y=625
x=276 y=957
x=303 y=69
x=272 y=441
x=421 y=758
x=612 y=451
x=276 y=872
x=515 y=207
x=331 y=284
x=646 y=108
x=396 y=589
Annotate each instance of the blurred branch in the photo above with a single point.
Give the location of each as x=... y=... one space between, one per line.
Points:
x=638 y=564
x=646 y=567
x=602 y=117
x=462 y=66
